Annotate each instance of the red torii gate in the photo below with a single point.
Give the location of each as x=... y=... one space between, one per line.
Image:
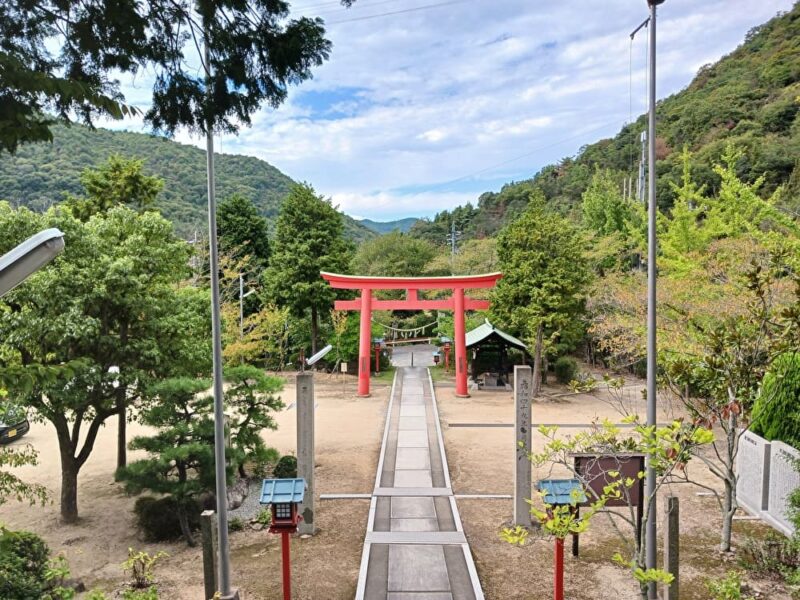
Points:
x=366 y=304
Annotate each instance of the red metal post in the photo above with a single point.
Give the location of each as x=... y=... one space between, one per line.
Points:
x=287 y=566
x=365 y=342
x=558 y=575
x=461 y=343
x=377 y=358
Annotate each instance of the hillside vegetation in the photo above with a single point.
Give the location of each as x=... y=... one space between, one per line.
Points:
x=750 y=97
x=39 y=175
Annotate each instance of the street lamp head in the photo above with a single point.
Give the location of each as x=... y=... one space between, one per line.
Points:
x=655 y=2
x=32 y=254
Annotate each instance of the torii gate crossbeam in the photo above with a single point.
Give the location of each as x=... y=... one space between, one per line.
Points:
x=458 y=303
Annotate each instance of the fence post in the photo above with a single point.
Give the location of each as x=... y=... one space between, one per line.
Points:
x=671 y=546
x=208 y=527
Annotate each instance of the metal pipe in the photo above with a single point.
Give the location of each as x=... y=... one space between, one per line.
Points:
x=652 y=247
x=216 y=339
x=287 y=566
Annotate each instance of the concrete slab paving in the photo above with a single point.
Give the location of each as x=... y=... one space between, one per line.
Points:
x=417 y=569
x=415 y=548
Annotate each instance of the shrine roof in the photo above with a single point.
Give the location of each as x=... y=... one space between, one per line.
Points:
x=356 y=282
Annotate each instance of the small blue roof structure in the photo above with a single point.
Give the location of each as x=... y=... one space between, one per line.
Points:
x=560 y=491
x=279 y=491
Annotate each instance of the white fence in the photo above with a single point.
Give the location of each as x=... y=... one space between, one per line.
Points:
x=766 y=477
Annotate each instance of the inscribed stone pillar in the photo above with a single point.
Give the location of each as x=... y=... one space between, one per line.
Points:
x=523 y=388
x=672 y=547
x=305 y=448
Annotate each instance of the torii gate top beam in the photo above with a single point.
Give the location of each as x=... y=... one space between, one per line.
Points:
x=358 y=282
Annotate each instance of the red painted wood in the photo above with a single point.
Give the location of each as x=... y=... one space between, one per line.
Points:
x=357 y=282
x=365 y=342
x=558 y=567
x=287 y=566
x=461 y=343
x=469 y=304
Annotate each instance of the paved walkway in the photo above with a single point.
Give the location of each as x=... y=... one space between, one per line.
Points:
x=415 y=548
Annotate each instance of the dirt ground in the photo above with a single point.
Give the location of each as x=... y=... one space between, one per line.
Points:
x=348 y=437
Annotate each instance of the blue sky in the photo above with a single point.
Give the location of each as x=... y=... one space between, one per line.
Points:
x=423 y=110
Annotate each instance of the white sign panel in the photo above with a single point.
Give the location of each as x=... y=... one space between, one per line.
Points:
x=752 y=473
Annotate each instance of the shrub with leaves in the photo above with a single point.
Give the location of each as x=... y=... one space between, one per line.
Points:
x=286 y=467
x=140 y=565
x=728 y=587
x=566 y=368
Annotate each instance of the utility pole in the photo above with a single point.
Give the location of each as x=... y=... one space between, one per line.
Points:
x=224 y=560
x=642 y=167
x=453 y=237
x=650 y=535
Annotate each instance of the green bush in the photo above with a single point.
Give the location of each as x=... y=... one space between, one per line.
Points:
x=157 y=519
x=727 y=588
x=566 y=368
x=235 y=524
x=776 y=413
x=286 y=468
x=24 y=558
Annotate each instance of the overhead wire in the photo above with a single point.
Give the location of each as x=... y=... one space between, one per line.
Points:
x=397 y=12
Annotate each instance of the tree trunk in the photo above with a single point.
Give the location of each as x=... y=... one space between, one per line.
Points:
x=537 y=361
x=727 y=518
x=122 y=425
x=69 y=489
x=314 y=327
x=183 y=520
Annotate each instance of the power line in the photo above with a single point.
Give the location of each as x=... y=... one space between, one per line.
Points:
x=398 y=12
x=340 y=10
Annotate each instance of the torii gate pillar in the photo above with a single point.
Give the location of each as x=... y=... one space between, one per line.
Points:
x=365 y=343
x=458 y=303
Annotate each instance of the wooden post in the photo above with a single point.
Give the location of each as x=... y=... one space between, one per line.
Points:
x=671 y=546
x=523 y=439
x=208 y=527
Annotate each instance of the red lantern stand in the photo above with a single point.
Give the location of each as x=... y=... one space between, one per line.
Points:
x=283 y=496
x=377 y=346
x=560 y=492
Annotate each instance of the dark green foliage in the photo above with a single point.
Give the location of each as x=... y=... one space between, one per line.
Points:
x=241 y=229
x=235 y=524
x=776 y=413
x=286 y=468
x=157 y=519
x=566 y=369
x=24 y=558
x=393 y=254
x=309 y=238
x=66 y=57
x=380 y=227
x=39 y=175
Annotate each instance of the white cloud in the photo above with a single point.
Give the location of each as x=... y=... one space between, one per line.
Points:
x=445 y=93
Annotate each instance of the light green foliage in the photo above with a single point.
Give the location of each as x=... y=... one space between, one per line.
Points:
x=309 y=238
x=604 y=209
x=11 y=486
x=111 y=299
x=140 y=565
x=264 y=517
x=393 y=254
x=668 y=448
x=776 y=413
x=545 y=277
x=727 y=588
x=117 y=182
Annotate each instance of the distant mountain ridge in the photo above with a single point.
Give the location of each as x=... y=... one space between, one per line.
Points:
x=381 y=227
x=39 y=175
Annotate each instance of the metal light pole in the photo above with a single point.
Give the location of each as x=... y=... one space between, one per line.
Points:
x=216 y=338
x=652 y=209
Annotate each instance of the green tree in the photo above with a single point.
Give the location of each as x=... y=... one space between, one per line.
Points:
x=110 y=300
x=394 y=254
x=545 y=277
x=308 y=239
x=683 y=236
x=242 y=229
x=604 y=209
x=181 y=453
x=119 y=181
x=776 y=413
x=12 y=486
x=60 y=57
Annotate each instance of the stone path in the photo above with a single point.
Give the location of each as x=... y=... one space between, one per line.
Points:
x=415 y=547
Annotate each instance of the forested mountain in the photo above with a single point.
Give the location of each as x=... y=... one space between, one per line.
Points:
x=401 y=225
x=39 y=175
x=750 y=97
